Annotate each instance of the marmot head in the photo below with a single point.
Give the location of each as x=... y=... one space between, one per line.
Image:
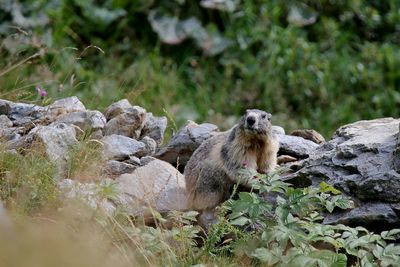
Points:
x=256 y=122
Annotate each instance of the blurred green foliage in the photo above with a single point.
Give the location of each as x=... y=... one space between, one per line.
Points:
x=314 y=64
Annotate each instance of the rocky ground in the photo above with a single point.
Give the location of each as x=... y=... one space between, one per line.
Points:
x=362 y=159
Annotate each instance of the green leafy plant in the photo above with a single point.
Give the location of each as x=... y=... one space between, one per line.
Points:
x=340 y=56
x=289 y=231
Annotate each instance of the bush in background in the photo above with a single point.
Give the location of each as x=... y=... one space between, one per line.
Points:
x=316 y=64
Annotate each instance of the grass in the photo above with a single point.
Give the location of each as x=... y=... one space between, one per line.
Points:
x=26 y=181
x=52 y=230
x=85 y=160
x=156 y=83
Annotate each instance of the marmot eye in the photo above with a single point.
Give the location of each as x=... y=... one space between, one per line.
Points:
x=263 y=116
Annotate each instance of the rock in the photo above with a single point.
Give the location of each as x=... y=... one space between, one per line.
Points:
x=134 y=161
x=285 y=159
x=56 y=140
x=278 y=129
x=297 y=147
x=309 y=134
x=150 y=145
x=120 y=147
x=87 y=193
x=182 y=145
x=129 y=123
x=396 y=154
x=26 y=110
x=359 y=160
x=85 y=120
x=154 y=127
x=22 y=113
x=5 y=107
x=97 y=134
x=146 y=160
x=157 y=185
x=5 y=122
x=372 y=215
x=65 y=105
x=362 y=161
x=10 y=134
x=115 y=168
x=117 y=108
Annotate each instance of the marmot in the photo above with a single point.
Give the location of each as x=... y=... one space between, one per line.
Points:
x=213 y=168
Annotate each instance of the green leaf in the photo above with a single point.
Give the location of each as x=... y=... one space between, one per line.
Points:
x=240 y=206
x=282 y=213
x=343 y=202
x=390 y=235
x=378 y=252
x=329 y=205
x=240 y=221
x=266 y=256
x=254 y=211
x=245 y=196
x=329 y=258
x=327 y=188
x=392 y=249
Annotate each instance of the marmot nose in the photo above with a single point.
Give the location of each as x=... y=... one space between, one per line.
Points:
x=250 y=120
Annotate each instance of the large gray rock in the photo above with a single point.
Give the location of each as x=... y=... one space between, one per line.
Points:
x=120 y=147
x=85 y=120
x=154 y=128
x=157 y=185
x=185 y=142
x=295 y=146
x=56 y=140
x=371 y=215
x=359 y=160
x=129 y=123
x=87 y=193
x=65 y=105
x=362 y=160
x=117 y=108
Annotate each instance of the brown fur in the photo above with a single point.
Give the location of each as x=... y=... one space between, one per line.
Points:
x=213 y=168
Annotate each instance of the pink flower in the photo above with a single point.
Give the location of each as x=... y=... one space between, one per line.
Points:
x=42 y=93
x=244 y=164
